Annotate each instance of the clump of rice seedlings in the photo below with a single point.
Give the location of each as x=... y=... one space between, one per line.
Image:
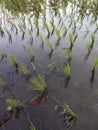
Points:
x=96 y=28
x=15 y=105
x=65 y=31
x=3 y=55
x=49 y=44
x=25 y=70
x=30 y=51
x=47 y=28
x=13 y=25
x=1 y=32
x=22 y=30
x=88 y=45
x=37 y=26
x=70 y=37
x=39 y=85
x=95 y=65
x=67 y=114
x=42 y=40
x=9 y=35
x=66 y=69
x=89 y=48
x=67 y=53
x=30 y=32
x=13 y=60
x=32 y=127
x=93 y=37
x=71 y=19
x=57 y=31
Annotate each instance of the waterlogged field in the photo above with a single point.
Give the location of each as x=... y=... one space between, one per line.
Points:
x=48 y=65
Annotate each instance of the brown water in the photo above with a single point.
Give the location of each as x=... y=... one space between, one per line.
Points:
x=80 y=94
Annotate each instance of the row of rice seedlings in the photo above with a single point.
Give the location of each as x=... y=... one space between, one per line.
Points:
x=67 y=114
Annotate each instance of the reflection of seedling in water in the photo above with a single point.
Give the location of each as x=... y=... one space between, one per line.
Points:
x=95 y=65
x=39 y=85
x=67 y=114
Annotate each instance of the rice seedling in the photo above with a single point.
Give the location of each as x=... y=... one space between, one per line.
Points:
x=25 y=70
x=42 y=40
x=9 y=34
x=1 y=32
x=49 y=44
x=30 y=51
x=70 y=37
x=32 y=127
x=13 y=25
x=66 y=69
x=3 y=55
x=88 y=45
x=39 y=83
x=57 y=31
x=93 y=37
x=13 y=60
x=65 y=31
x=95 y=65
x=67 y=53
x=67 y=114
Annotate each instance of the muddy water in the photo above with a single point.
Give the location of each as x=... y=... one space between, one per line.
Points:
x=80 y=94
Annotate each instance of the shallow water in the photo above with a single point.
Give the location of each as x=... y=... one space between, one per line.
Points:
x=80 y=93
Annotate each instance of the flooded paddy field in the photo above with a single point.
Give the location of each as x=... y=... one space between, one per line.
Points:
x=48 y=65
